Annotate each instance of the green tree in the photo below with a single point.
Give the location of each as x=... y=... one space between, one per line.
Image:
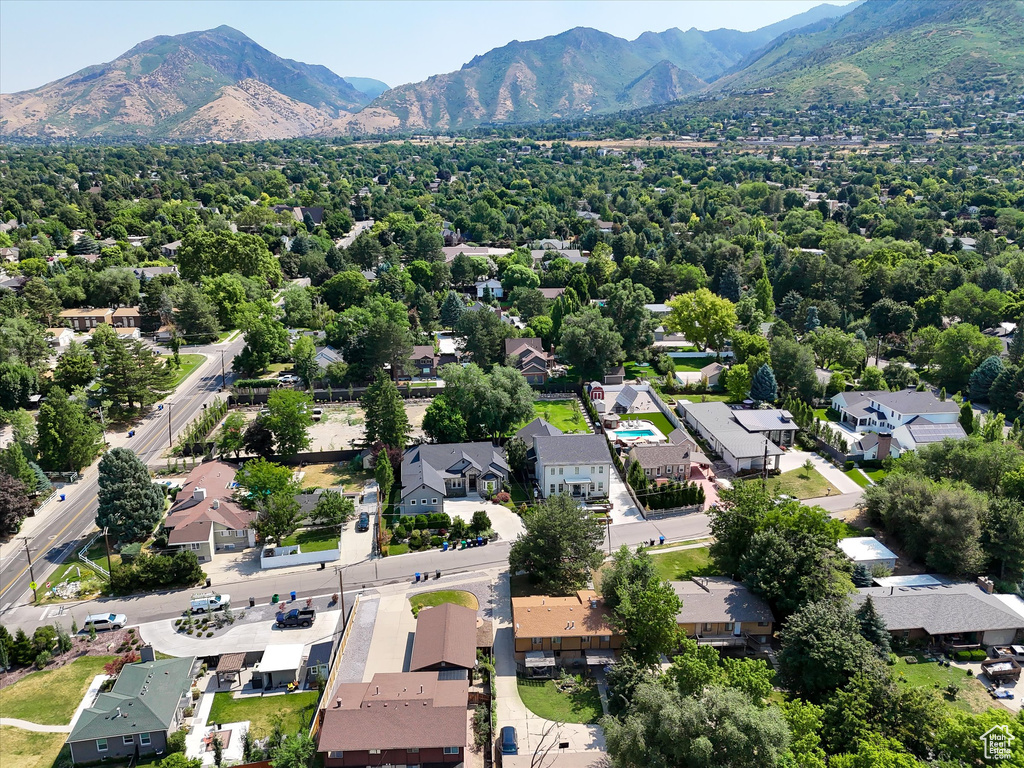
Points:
x=129 y=504
x=296 y=751
x=257 y=438
x=452 y=309
x=737 y=382
x=386 y=420
x=966 y=417
x=625 y=306
x=872 y=627
x=75 y=368
x=205 y=252
x=67 y=437
x=983 y=376
x=332 y=509
x=304 y=360
x=515 y=455
x=959 y=350
x=763 y=387
x=346 y=289
x=132 y=377
x=590 y=343
x=703 y=318
x=195 y=315
x=289 y=419
x=443 y=422
x=260 y=478
x=483 y=336
x=384 y=474
x=266 y=340
x=231 y=437
x=872 y=380
x=14 y=462
x=278 y=515
x=559 y=547
x=15 y=504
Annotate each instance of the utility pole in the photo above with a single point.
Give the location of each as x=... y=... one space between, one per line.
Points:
x=110 y=568
x=31 y=573
x=341 y=595
x=169 y=442
x=223 y=376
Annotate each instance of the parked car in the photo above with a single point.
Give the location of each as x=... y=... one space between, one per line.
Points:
x=288 y=378
x=318 y=413
x=297 y=617
x=209 y=601
x=363 y=524
x=101 y=621
x=509 y=741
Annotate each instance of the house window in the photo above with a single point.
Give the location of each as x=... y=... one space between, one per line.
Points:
x=762 y=623
x=728 y=626
x=576 y=470
x=413 y=750
x=600 y=486
x=584 y=640
x=600 y=470
x=552 y=470
x=538 y=641
x=606 y=638
x=556 y=640
x=433 y=501
x=337 y=754
x=451 y=750
x=101 y=745
x=239 y=534
x=373 y=751
x=560 y=470
x=412 y=503
x=552 y=491
x=194 y=546
x=707 y=627
x=225 y=533
x=128 y=739
x=145 y=739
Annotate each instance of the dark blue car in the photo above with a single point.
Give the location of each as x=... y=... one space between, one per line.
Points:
x=509 y=742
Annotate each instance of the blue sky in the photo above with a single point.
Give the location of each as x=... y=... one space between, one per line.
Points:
x=397 y=41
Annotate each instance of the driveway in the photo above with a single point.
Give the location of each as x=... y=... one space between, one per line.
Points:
x=504 y=521
x=511 y=711
x=795 y=459
x=623 y=508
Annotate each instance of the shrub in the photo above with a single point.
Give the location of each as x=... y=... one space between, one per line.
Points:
x=978 y=654
x=439 y=520
x=962 y=655
x=415 y=540
x=176 y=741
x=847 y=466
x=435 y=541
x=480 y=522
x=893 y=658
x=114 y=667
x=421 y=522
x=868 y=531
x=209 y=634
x=501 y=498
x=130 y=551
x=43 y=659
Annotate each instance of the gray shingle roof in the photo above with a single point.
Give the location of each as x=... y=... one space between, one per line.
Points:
x=719 y=600
x=537 y=427
x=651 y=456
x=718 y=419
x=766 y=420
x=429 y=464
x=940 y=610
x=572 y=449
x=905 y=401
x=147 y=695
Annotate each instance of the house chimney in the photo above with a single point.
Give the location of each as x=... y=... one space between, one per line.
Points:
x=216 y=504
x=146 y=653
x=884 y=444
x=199 y=494
x=986 y=584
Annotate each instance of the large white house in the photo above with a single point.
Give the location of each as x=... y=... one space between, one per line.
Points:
x=897 y=422
x=579 y=465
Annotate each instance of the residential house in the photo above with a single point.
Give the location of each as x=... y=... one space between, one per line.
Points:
x=530 y=358
x=868 y=551
x=84 y=319
x=874 y=411
x=318 y=662
x=553 y=632
x=776 y=424
x=579 y=465
x=148 y=273
x=128 y=333
x=621 y=398
x=488 y=289
x=743 y=449
x=126 y=317
x=137 y=715
x=711 y=374
x=171 y=249
x=423 y=361
x=398 y=719
x=445 y=639
x=278 y=666
x=949 y=615
x=551 y=293
x=450 y=252
x=299 y=213
x=667 y=461
x=10 y=255
x=60 y=337
x=205 y=518
x=327 y=355
x=723 y=613
x=433 y=472
x=544 y=256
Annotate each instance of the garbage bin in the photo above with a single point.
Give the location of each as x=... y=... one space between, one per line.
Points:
x=208 y=581
x=293 y=595
x=275 y=599
x=252 y=602
x=661 y=539
x=437 y=574
x=444 y=544
x=417 y=575
x=479 y=541
x=63 y=497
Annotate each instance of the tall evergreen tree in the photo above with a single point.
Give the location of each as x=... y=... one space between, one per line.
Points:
x=451 y=309
x=872 y=627
x=129 y=504
x=983 y=376
x=386 y=420
x=67 y=437
x=763 y=387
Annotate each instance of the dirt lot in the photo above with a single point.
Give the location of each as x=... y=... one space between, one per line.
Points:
x=342 y=424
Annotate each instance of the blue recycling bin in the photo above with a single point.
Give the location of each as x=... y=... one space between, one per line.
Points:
x=293 y=595
x=417 y=575
x=661 y=539
x=63 y=497
x=131 y=433
x=479 y=541
x=444 y=544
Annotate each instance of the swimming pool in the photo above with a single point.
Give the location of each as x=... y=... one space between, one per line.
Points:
x=634 y=433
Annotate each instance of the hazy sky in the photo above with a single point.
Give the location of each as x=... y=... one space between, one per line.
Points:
x=397 y=41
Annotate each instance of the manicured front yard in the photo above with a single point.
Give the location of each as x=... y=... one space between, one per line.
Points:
x=694 y=364
x=542 y=698
x=27 y=749
x=188 y=365
x=877 y=475
x=658 y=419
x=91 y=583
x=857 y=476
x=561 y=414
x=802 y=484
x=314 y=539
x=684 y=563
x=294 y=709
x=929 y=674
x=50 y=697
x=429 y=599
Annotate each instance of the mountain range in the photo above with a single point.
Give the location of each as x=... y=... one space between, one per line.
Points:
x=219 y=84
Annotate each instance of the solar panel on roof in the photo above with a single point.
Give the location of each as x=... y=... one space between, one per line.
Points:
x=933 y=433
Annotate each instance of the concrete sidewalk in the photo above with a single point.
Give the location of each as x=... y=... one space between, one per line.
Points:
x=25 y=725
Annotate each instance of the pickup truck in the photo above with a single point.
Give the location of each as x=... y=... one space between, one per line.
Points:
x=297 y=617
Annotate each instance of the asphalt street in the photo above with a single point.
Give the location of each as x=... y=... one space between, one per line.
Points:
x=59 y=525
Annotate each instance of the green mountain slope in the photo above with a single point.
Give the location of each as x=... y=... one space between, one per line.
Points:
x=894 y=49
x=161 y=83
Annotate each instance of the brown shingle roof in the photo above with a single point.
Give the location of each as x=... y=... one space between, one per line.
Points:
x=396 y=710
x=543 y=616
x=190 y=518
x=445 y=635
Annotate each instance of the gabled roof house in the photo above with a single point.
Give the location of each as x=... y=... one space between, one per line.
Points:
x=433 y=472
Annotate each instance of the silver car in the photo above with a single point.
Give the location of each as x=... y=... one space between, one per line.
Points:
x=101 y=621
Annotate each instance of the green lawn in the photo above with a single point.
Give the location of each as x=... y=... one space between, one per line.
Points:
x=398 y=549
x=92 y=583
x=804 y=485
x=26 y=749
x=51 y=697
x=429 y=599
x=221 y=337
x=520 y=493
x=314 y=539
x=635 y=370
x=542 y=698
x=658 y=419
x=822 y=414
x=706 y=398
x=189 y=363
x=877 y=475
x=684 y=563
x=857 y=476
x=294 y=709
x=561 y=414
x=926 y=674
x=694 y=364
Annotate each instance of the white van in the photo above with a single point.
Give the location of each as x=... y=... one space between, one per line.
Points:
x=209 y=601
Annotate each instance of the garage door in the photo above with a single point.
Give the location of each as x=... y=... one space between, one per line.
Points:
x=999 y=636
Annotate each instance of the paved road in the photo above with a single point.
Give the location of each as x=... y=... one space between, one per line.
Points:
x=59 y=525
